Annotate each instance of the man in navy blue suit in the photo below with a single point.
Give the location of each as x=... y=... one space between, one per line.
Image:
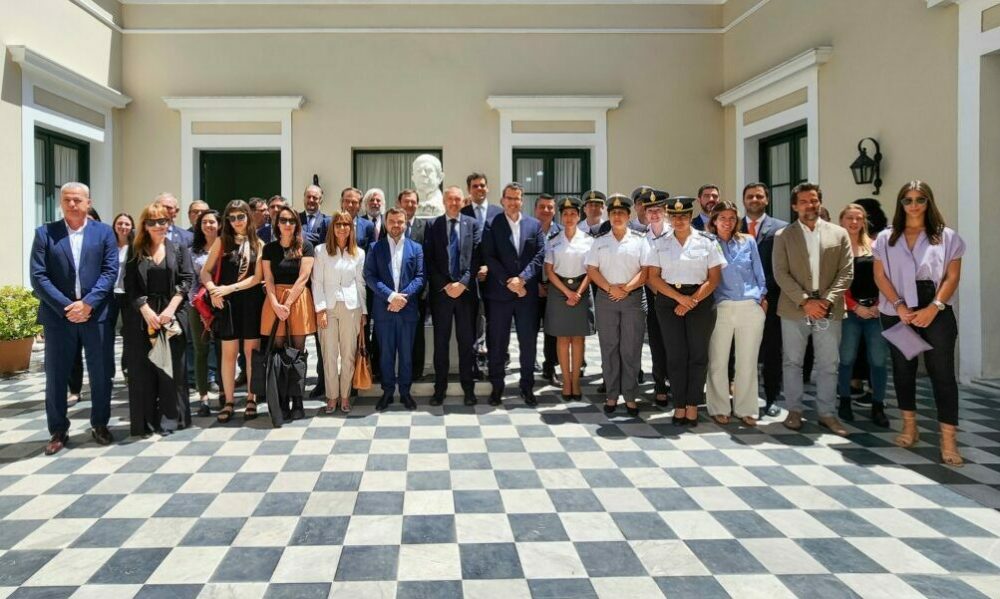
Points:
x=74 y=266
x=480 y=208
x=513 y=249
x=708 y=197
x=314 y=223
x=175 y=234
x=274 y=204
x=451 y=260
x=394 y=271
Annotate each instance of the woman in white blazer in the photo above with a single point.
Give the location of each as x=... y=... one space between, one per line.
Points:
x=338 y=286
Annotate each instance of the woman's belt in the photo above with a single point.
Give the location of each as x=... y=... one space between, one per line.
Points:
x=571 y=281
x=686 y=289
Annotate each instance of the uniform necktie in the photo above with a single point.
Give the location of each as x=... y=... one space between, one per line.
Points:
x=453 y=249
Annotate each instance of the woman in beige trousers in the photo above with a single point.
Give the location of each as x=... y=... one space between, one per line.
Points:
x=339 y=292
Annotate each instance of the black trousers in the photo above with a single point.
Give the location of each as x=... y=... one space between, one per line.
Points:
x=155 y=399
x=460 y=312
x=551 y=355
x=689 y=335
x=770 y=352
x=657 y=348
x=371 y=339
x=940 y=362
x=419 y=347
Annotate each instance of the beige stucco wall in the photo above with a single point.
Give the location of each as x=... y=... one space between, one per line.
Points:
x=65 y=33
x=388 y=90
x=892 y=76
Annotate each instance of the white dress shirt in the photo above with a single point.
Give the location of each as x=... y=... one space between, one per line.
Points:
x=122 y=256
x=686 y=264
x=619 y=261
x=515 y=231
x=76 y=246
x=339 y=278
x=396 y=262
x=568 y=257
x=812 y=246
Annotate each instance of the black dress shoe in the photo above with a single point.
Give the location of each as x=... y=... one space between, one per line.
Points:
x=204 y=410
x=102 y=435
x=496 y=397
x=609 y=408
x=844 y=410
x=56 y=443
x=633 y=411
x=529 y=398
x=437 y=400
x=384 y=402
x=878 y=415
x=408 y=401
x=470 y=399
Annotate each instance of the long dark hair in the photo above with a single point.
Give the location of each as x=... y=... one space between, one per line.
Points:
x=295 y=250
x=198 y=245
x=933 y=221
x=228 y=235
x=131 y=234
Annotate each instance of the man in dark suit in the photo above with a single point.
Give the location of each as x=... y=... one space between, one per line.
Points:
x=545 y=212
x=477 y=186
x=372 y=202
x=196 y=209
x=415 y=228
x=74 y=266
x=513 y=249
x=314 y=223
x=708 y=197
x=394 y=271
x=274 y=205
x=451 y=260
x=763 y=227
x=175 y=234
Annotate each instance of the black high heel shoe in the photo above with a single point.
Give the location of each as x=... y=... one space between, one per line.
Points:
x=633 y=411
x=610 y=408
x=678 y=420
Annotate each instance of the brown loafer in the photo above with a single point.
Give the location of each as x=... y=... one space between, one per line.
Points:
x=833 y=425
x=793 y=421
x=56 y=443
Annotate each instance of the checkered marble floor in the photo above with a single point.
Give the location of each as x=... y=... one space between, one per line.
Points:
x=453 y=501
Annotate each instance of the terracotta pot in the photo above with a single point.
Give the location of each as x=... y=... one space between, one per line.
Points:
x=15 y=355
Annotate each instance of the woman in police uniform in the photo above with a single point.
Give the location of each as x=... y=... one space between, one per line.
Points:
x=685 y=268
x=615 y=267
x=569 y=313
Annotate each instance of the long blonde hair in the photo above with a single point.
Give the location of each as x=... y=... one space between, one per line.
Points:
x=331 y=238
x=865 y=238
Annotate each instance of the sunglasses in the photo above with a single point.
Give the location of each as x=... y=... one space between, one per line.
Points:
x=919 y=201
x=287 y=221
x=341 y=224
x=236 y=218
x=157 y=222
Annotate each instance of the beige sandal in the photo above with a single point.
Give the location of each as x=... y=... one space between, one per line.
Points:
x=749 y=421
x=721 y=419
x=949 y=447
x=909 y=436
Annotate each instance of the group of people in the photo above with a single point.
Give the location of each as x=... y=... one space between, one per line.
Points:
x=712 y=295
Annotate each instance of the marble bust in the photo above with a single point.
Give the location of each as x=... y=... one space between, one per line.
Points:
x=427 y=176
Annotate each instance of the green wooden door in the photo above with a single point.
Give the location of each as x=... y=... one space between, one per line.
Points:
x=239 y=174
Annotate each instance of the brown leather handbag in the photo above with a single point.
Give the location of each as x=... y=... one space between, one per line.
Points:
x=362 y=379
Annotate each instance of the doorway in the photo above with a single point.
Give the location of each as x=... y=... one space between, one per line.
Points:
x=784 y=162
x=238 y=174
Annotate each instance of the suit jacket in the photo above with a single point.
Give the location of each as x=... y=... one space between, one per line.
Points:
x=765 y=247
x=417 y=229
x=53 y=271
x=181 y=236
x=436 y=259
x=505 y=261
x=321 y=224
x=792 y=273
x=699 y=222
x=178 y=261
x=378 y=276
x=364 y=232
x=264 y=233
x=381 y=230
x=492 y=210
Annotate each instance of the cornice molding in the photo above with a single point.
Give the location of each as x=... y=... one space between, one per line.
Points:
x=809 y=59
x=554 y=102
x=234 y=102
x=50 y=73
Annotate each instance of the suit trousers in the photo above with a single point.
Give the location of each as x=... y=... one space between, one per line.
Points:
x=395 y=340
x=461 y=312
x=62 y=343
x=621 y=327
x=657 y=348
x=419 y=344
x=939 y=360
x=524 y=312
x=770 y=352
x=339 y=340
x=742 y=321
x=795 y=335
x=689 y=337
x=550 y=355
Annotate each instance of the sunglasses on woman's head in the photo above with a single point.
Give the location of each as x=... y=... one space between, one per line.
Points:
x=907 y=201
x=286 y=221
x=157 y=222
x=235 y=218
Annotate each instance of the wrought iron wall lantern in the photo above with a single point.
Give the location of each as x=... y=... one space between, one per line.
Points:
x=866 y=169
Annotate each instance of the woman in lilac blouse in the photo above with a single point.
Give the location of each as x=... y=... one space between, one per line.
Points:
x=918 y=263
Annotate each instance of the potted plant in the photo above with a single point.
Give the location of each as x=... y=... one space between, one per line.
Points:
x=18 y=327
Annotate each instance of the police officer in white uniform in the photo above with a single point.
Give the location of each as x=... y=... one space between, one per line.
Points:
x=684 y=269
x=615 y=264
x=654 y=201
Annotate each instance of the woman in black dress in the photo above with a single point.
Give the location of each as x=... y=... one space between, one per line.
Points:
x=158 y=277
x=238 y=296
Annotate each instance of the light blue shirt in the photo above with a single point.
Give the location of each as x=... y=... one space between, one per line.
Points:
x=743 y=279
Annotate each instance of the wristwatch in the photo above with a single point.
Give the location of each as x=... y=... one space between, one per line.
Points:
x=899 y=302
x=939 y=304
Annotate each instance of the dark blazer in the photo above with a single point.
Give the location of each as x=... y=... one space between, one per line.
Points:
x=506 y=261
x=417 y=229
x=178 y=261
x=378 y=277
x=492 y=210
x=765 y=247
x=264 y=233
x=180 y=236
x=53 y=271
x=364 y=232
x=381 y=231
x=699 y=222
x=436 y=260
x=321 y=224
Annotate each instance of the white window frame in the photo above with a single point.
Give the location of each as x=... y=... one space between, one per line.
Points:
x=799 y=72
x=42 y=72
x=263 y=109
x=555 y=108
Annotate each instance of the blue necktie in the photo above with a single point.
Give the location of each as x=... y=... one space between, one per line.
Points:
x=453 y=249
